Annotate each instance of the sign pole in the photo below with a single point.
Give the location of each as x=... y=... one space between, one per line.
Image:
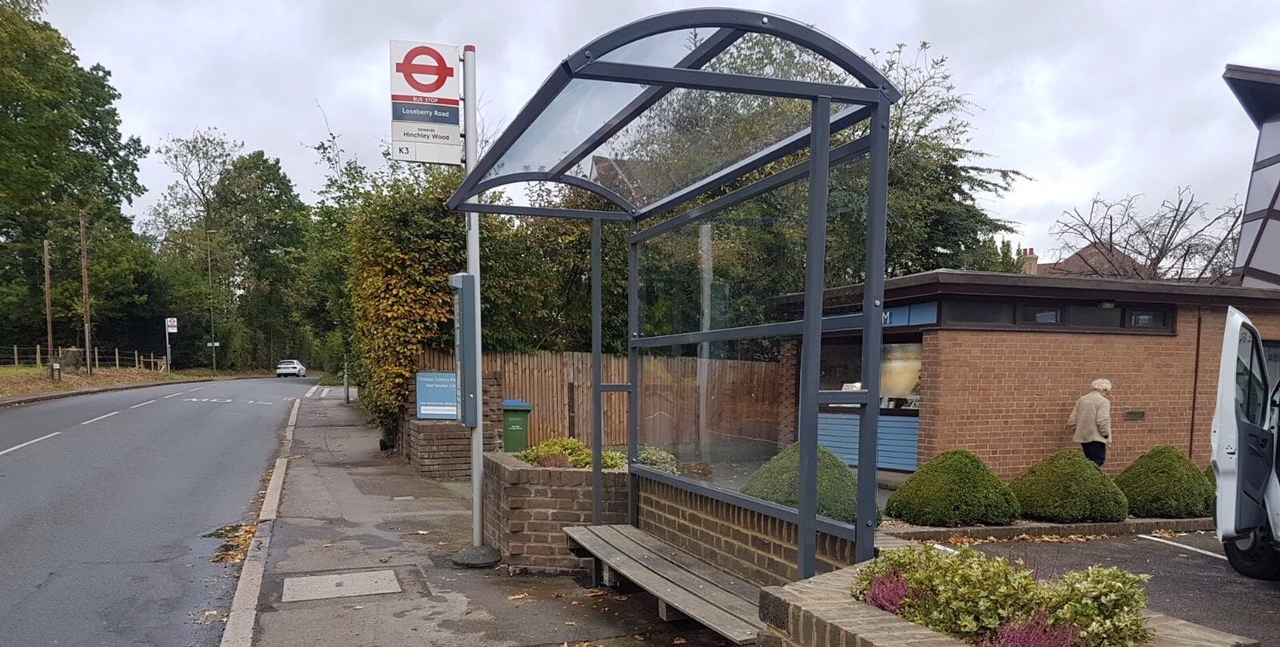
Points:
x=168 y=355
x=471 y=146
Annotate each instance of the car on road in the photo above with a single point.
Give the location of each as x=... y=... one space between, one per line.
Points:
x=290 y=367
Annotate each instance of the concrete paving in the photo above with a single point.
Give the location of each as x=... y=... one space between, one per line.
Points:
x=349 y=510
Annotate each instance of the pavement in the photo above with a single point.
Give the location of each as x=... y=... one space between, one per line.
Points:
x=358 y=554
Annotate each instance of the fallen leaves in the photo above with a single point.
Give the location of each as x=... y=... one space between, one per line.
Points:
x=960 y=540
x=1164 y=534
x=518 y=596
x=678 y=641
x=236 y=539
x=593 y=593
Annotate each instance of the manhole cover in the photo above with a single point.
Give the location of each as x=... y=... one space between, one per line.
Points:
x=320 y=587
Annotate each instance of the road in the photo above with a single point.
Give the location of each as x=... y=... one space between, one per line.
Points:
x=105 y=501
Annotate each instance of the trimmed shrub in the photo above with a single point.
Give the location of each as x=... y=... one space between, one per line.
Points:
x=999 y=603
x=1068 y=488
x=1165 y=483
x=575 y=451
x=657 y=458
x=779 y=481
x=954 y=488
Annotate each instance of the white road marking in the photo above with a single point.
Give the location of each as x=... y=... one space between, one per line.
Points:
x=191 y=390
x=1184 y=546
x=100 y=418
x=325 y=393
x=171 y=395
x=312 y=391
x=29 y=442
x=142 y=404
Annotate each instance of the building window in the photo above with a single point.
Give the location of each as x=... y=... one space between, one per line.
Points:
x=1141 y=318
x=1040 y=315
x=1095 y=316
x=980 y=312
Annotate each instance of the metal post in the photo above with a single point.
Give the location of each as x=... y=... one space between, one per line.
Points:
x=873 y=309
x=633 y=375
x=213 y=337
x=811 y=349
x=48 y=313
x=471 y=143
x=168 y=352
x=597 y=374
x=346 y=382
x=704 y=348
x=84 y=284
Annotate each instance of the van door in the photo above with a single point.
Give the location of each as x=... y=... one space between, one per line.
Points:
x=1244 y=445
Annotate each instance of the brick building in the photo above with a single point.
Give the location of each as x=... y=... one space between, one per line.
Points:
x=994 y=362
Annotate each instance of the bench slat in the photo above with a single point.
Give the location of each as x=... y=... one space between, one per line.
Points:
x=708 y=592
x=691 y=563
x=692 y=604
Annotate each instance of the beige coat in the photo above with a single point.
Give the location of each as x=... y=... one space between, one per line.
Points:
x=1091 y=419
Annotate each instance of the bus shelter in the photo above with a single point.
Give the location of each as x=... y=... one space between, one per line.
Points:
x=746 y=157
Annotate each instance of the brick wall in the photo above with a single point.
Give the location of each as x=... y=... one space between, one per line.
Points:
x=526 y=508
x=1007 y=395
x=753 y=546
x=441 y=449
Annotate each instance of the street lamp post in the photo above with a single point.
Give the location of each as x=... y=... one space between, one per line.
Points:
x=213 y=338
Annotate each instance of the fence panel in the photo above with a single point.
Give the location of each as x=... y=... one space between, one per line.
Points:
x=102 y=358
x=744 y=401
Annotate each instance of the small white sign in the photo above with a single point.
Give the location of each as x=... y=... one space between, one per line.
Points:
x=426 y=111
x=171 y=325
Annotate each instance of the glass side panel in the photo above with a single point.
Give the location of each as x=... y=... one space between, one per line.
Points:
x=742 y=267
x=772 y=57
x=580 y=109
x=1262 y=188
x=1093 y=316
x=723 y=409
x=1268 y=140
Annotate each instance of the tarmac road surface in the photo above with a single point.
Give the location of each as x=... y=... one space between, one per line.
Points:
x=106 y=501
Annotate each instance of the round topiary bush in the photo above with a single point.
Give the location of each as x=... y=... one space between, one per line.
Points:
x=779 y=481
x=1068 y=488
x=954 y=488
x=1165 y=483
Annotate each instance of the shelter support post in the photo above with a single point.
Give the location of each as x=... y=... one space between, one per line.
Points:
x=873 y=324
x=811 y=348
x=597 y=381
x=633 y=375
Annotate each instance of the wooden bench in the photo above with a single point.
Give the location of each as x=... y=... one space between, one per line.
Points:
x=684 y=585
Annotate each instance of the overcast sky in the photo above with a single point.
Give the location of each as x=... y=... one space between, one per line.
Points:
x=1085 y=97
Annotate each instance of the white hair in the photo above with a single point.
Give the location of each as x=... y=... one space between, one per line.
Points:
x=1102 y=384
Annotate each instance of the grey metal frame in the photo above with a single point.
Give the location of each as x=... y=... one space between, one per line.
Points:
x=872 y=107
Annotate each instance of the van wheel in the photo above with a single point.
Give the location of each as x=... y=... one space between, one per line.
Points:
x=1254 y=556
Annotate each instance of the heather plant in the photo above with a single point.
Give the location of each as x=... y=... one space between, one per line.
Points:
x=888 y=592
x=995 y=602
x=1035 y=632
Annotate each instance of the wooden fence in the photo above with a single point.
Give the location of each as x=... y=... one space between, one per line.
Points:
x=743 y=399
x=38 y=356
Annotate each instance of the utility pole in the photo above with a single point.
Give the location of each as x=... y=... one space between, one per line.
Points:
x=48 y=310
x=84 y=282
x=213 y=338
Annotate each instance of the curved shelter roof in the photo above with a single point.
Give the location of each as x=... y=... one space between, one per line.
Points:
x=608 y=117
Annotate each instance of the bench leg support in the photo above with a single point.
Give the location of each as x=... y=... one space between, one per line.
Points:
x=669 y=613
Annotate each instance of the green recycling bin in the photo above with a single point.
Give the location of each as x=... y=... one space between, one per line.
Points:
x=515 y=427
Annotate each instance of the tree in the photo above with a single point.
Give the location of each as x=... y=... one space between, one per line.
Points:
x=61 y=154
x=1180 y=240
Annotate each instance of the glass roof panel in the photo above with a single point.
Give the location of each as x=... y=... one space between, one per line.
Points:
x=578 y=111
x=689 y=135
x=663 y=50
x=768 y=56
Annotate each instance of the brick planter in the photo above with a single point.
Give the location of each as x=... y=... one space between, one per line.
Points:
x=527 y=507
x=821 y=612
